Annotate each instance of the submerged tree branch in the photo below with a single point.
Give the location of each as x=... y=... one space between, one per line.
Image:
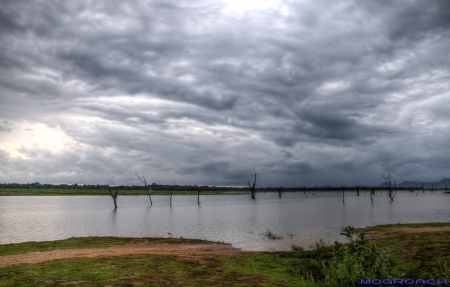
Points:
x=146 y=187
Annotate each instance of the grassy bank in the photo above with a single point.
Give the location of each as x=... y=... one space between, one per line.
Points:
x=246 y=269
x=417 y=255
x=153 y=270
x=403 y=225
x=87 y=242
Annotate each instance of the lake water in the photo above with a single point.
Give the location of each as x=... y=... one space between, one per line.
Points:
x=235 y=219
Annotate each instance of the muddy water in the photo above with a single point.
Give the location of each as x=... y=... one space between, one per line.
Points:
x=299 y=218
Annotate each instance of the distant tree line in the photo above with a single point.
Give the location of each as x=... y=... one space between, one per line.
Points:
x=154 y=186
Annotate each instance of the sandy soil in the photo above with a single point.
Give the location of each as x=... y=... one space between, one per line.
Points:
x=394 y=232
x=187 y=251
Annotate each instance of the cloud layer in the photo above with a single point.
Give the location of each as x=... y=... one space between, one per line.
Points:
x=301 y=92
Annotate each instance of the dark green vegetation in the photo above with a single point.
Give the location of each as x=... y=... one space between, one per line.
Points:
x=20 y=191
x=91 y=189
x=344 y=265
x=412 y=255
x=156 y=189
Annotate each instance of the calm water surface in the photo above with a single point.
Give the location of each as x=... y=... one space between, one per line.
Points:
x=235 y=219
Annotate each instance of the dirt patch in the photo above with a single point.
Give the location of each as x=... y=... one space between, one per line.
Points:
x=189 y=251
x=395 y=232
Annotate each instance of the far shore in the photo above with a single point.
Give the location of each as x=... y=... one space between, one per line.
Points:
x=228 y=191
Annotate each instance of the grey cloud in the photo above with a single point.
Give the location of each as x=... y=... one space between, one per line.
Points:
x=286 y=140
x=329 y=125
x=350 y=77
x=295 y=168
x=4 y=129
x=213 y=166
x=417 y=19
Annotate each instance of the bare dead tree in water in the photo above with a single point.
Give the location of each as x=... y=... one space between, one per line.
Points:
x=388 y=181
x=423 y=187
x=171 y=193
x=357 y=190
x=114 y=196
x=280 y=191
x=445 y=186
x=432 y=188
x=371 y=196
x=146 y=187
x=253 y=188
x=198 y=195
x=343 y=190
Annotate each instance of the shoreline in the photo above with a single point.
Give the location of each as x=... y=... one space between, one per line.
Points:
x=76 y=192
x=420 y=250
x=381 y=231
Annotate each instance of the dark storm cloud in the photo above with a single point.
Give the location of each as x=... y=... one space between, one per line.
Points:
x=306 y=92
x=213 y=166
x=415 y=19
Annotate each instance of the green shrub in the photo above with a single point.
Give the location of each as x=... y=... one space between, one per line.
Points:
x=319 y=250
x=345 y=264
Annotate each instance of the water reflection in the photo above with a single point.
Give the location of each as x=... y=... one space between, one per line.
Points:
x=113 y=221
x=236 y=219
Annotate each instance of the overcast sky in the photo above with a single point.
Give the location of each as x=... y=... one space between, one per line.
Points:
x=206 y=92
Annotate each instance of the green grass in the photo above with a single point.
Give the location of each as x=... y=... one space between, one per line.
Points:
x=404 y=225
x=417 y=255
x=86 y=242
x=262 y=269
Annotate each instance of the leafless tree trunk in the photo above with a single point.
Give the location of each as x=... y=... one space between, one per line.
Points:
x=171 y=193
x=280 y=191
x=198 y=195
x=253 y=188
x=432 y=188
x=343 y=191
x=357 y=191
x=445 y=186
x=389 y=186
x=146 y=187
x=114 y=196
x=423 y=188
